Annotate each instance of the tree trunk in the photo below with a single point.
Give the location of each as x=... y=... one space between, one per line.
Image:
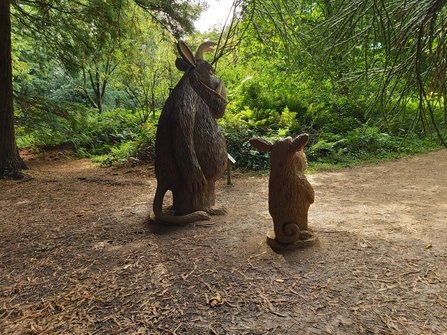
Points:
x=11 y=164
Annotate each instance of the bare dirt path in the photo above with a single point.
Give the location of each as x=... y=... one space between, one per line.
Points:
x=78 y=256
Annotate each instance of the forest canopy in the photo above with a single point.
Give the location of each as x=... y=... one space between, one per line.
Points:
x=365 y=78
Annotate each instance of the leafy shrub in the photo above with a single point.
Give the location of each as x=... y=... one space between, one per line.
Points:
x=239 y=148
x=41 y=122
x=369 y=142
x=239 y=127
x=139 y=149
x=120 y=154
x=46 y=123
x=97 y=134
x=366 y=144
x=146 y=143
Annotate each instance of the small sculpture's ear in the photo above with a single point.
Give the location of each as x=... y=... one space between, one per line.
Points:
x=299 y=142
x=261 y=144
x=186 y=53
x=181 y=64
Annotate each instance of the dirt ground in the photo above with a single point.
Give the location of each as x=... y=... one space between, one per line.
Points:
x=79 y=257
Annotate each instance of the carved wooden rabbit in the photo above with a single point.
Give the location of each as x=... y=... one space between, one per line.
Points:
x=290 y=193
x=191 y=152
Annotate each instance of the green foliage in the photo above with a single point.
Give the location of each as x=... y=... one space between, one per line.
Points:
x=42 y=122
x=279 y=83
x=119 y=154
x=139 y=149
x=105 y=133
x=343 y=129
x=238 y=128
x=366 y=144
x=240 y=149
x=105 y=55
x=91 y=133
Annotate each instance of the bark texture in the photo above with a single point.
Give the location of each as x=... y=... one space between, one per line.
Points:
x=11 y=164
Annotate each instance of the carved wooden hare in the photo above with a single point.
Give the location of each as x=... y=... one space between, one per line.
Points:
x=290 y=194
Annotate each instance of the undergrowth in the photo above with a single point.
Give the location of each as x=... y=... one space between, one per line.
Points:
x=118 y=137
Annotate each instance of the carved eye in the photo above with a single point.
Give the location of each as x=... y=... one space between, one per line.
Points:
x=210 y=72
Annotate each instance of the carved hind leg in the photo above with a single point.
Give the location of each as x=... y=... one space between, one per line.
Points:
x=216 y=210
x=185 y=201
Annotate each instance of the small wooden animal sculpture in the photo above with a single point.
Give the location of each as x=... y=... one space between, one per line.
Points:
x=191 y=151
x=290 y=193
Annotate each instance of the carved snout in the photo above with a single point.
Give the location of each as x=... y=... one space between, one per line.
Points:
x=218 y=91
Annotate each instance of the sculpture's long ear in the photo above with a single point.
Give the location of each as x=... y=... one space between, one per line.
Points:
x=186 y=54
x=299 y=142
x=261 y=144
x=181 y=64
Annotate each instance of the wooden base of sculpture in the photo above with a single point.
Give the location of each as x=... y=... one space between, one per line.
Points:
x=307 y=239
x=203 y=215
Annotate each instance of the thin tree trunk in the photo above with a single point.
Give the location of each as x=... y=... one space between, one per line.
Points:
x=11 y=164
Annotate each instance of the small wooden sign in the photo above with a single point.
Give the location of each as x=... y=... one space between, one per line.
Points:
x=230 y=161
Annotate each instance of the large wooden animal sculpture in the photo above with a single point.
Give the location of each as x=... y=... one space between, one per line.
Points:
x=290 y=193
x=191 y=151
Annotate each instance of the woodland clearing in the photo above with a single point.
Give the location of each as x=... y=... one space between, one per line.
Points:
x=78 y=255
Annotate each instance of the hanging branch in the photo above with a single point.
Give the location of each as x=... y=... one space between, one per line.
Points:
x=412 y=35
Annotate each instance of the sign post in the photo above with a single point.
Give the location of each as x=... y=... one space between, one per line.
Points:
x=230 y=161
